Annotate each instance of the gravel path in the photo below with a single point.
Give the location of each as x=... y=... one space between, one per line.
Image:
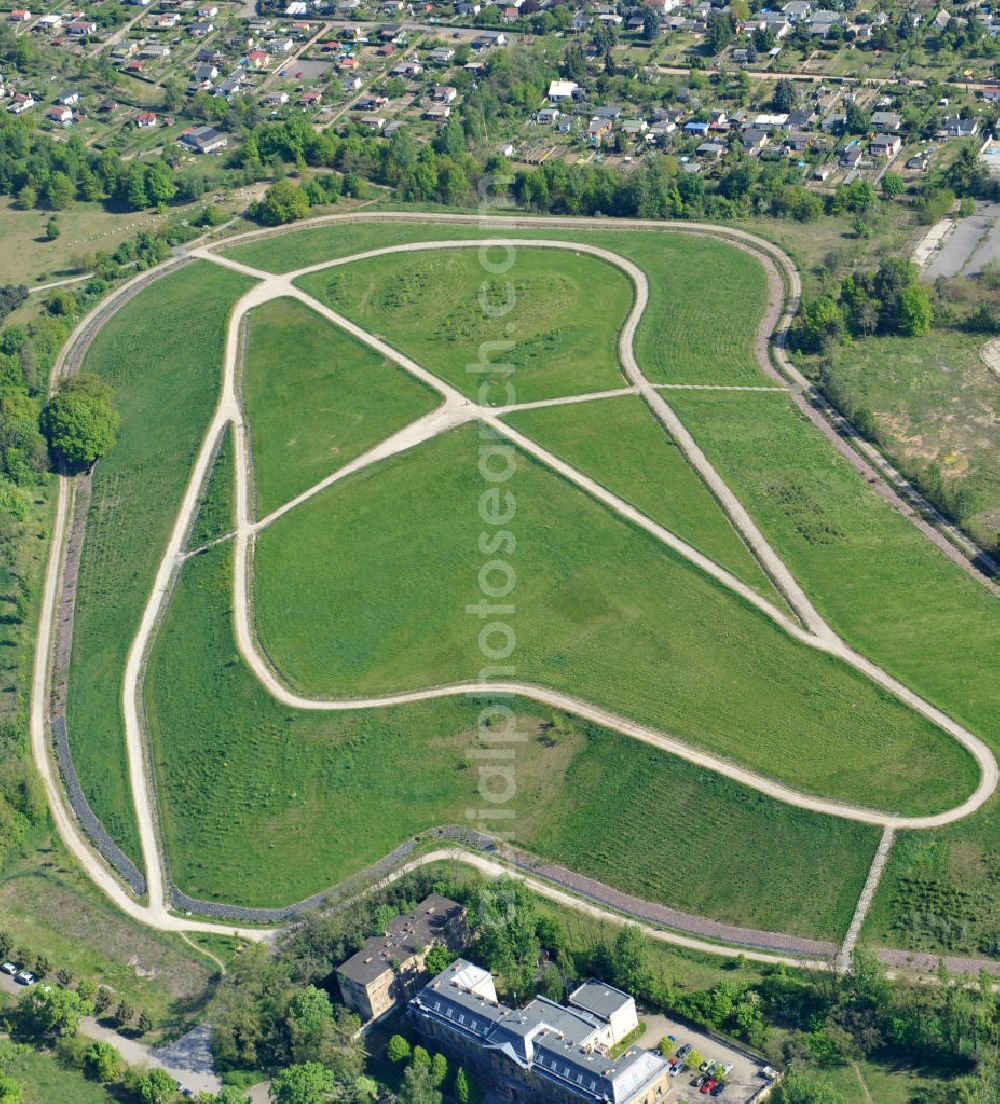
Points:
x=454 y=410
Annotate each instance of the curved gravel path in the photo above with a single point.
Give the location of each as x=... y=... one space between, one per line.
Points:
x=454 y=410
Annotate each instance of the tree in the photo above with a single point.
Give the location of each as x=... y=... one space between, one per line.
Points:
x=799 y=1088
x=398 y=1050
x=784 y=96
x=308 y=1083
x=102 y=1062
x=135 y=194
x=10 y=1090
x=439 y=958
x=230 y=1094
x=915 y=312
x=51 y=1010
x=144 y=1023
x=152 y=1086
x=629 y=957
x=439 y=1070
x=283 y=202
x=892 y=184
x=27 y=197
x=418 y=1086
x=462 y=1093
x=52 y=230
x=80 y=425
x=719 y=32
x=694 y=1059
x=59 y=191
x=124 y=1013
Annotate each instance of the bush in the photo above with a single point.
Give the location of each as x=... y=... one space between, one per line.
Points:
x=398 y=1050
x=103 y=1063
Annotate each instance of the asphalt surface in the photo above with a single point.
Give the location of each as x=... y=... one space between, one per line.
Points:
x=967 y=250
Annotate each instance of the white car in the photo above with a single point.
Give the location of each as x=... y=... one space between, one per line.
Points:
x=727 y=1069
x=25 y=977
x=9 y=968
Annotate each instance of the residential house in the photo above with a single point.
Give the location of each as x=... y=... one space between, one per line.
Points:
x=50 y=22
x=208 y=12
x=145 y=120
x=19 y=15
x=486 y=39
x=438 y=112
x=957 y=127
x=754 y=139
x=886 y=145
x=310 y=99
x=69 y=97
x=81 y=27
x=560 y=91
x=797 y=10
x=165 y=20
x=59 y=114
x=991 y=93
x=599 y=129
x=22 y=101
x=407 y=69
x=276 y=99
x=373 y=122
x=547 y=116
x=544 y=1051
x=205 y=74
x=919 y=162
x=797 y=142
x=444 y=93
x=155 y=51
x=351 y=84
x=204 y=139
x=634 y=128
x=258 y=59
x=711 y=151
x=389 y=967
x=820 y=22
x=885 y=120
x=849 y=156
x=441 y=55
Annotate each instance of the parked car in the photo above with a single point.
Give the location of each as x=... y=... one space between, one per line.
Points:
x=684 y=1051
x=699 y=1079
x=709 y=1085
x=719 y=1089
x=769 y=1073
x=727 y=1069
x=708 y=1064
x=9 y=968
x=25 y=977
x=679 y=1068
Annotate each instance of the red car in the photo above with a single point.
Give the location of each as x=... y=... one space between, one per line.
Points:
x=709 y=1085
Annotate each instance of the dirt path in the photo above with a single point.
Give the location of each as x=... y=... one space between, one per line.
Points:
x=454 y=410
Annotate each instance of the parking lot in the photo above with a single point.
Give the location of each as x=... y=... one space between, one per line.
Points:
x=742 y=1083
x=974 y=242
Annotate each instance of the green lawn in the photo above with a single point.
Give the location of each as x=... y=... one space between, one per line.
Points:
x=248 y=786
x=316 y=398
x=552 y=316
x=162 y=355
x=891 y=594
x=216 y=514
x=696 y=330
x=619 y=443
x=44 y=1080
x=602 y=610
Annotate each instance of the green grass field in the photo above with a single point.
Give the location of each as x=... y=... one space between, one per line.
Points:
x=909 y=608
x=216 y=514
x=165 y=390
x=248 y=786
x=316 y=398
x=602 y=611
x=686 y=336
x=553 y=316
x=619 y=443
x=44 y=1080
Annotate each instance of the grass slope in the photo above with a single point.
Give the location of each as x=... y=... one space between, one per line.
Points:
x=248 y=786
x=696 y=330
x=316 y=398
x=555 y=316
x=165 y=388
x=44 y=1080
x=216 y=514
x=619 y=443
x=602 y=611
x=898 y=600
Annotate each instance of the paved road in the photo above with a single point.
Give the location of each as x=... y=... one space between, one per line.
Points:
x=971 y=245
